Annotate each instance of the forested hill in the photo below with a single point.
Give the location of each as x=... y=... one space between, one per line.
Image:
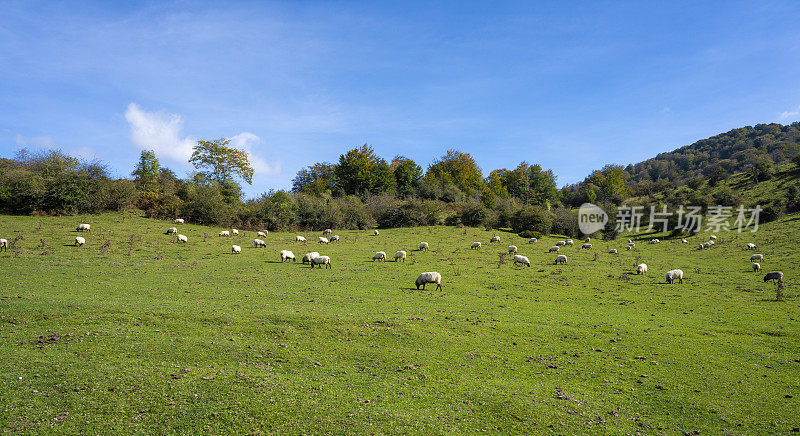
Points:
x=756 y=150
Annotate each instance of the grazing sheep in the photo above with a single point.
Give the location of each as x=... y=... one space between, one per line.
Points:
x=400 y=255
x=630 y=241
x=751 y=246
x=423 y=246
x=512 y=249
x=532 y=240
x=554 y=249
x=334 y=238
x=79 y=241
x=521 y=259
x=712 y=237
x=3 y=244
x=475 y=245
x=587 y=240
x=570 y=242
x=586 y=246
x=321 y=260
x=756 y=257
x=684 y=241
x=84 y=228
x=299 y=238
x=259 y=243
x=178 y=220
x=756 y=267
x=327 y=232
x=377 y=232
x=429 y=277
x=702 y=246
x=710 y=243
x=629 y=247
x=171 y=230
x=308 y=256
x=774 y=275
x=182 y=238
x=224 y=233
x=561 y=243
x=561 y=258
x=322 y=240
x=286 y=255
x=673 y=275
x=654 y=241
x=380 y=255
x=495 y=238
x=235 y=232
x=613 y=251
x=631 y=244
x=641 y=268
x=235 y=249
x=263 y=233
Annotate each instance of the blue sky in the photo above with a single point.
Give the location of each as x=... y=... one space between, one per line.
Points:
x=569 y=85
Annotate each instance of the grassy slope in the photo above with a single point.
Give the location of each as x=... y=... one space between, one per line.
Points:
x=278 y=348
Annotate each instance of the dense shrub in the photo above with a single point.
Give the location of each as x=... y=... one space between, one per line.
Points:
x=532 y=218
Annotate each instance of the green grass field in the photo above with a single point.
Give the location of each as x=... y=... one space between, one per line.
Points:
x=148 y=336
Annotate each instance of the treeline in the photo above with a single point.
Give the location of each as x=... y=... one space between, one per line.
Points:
x=364 y=190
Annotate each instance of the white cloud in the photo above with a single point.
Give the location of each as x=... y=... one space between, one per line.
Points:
x=245 y=141
x=790 y=114
x=37 y=142
x=160 y=132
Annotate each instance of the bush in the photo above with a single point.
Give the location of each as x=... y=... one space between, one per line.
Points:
x=530 y=234
x=532 y=218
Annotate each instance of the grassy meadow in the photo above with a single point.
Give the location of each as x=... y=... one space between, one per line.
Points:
x=133 y=333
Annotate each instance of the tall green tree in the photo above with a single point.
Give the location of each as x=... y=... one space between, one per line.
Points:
x=458 y=168
x=361 y=170
x=316 y=179
x=221 y=162
x=407 y=175
x=147 y=172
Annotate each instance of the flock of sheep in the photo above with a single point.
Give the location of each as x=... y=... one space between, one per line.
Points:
x=315 y=259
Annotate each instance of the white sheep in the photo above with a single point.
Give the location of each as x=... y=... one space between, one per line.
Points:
x=475 y=245
x=495 y=238
x=171 y=230
x=711 y=243
x=79 y=241
x=263 y=233
x=299 y=238
x=702 y=246
x=684 y=241
x=225 y=233
x=400 y=255
x=429 y=277
x=774 y=275
x=3 y=244
x=532 y=240
x=309 y=256
x=554 y=249
x=178 y=220
x=561 y=243
x=673 y=275
x=586 y=246
x=751 y=246
x=327 y=232
x=613 y=251
x=423 y=246
x=235 y=232
x=512 y=249
x=654 y=241
x=84 y=228
x=322 y=240
x=712 y=237
x=259 y=243
x=521 y=259
x=630 y=241
x=756 y=267
x=756 y=257
x=629 y=247
x=334 y=238
x=570 y=242
x=561 y=258
x=235 y=249
x=641 y=268
x=377 y=232
x=380 y=255
x=182 y=238
x=631 y=244
x=286 y=255
x=587 y=240
x=321 y=260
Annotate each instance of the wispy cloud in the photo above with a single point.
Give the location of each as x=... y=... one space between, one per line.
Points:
x=160 y=132
x=36 y=142
x=246 y=141
x=788 y=115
